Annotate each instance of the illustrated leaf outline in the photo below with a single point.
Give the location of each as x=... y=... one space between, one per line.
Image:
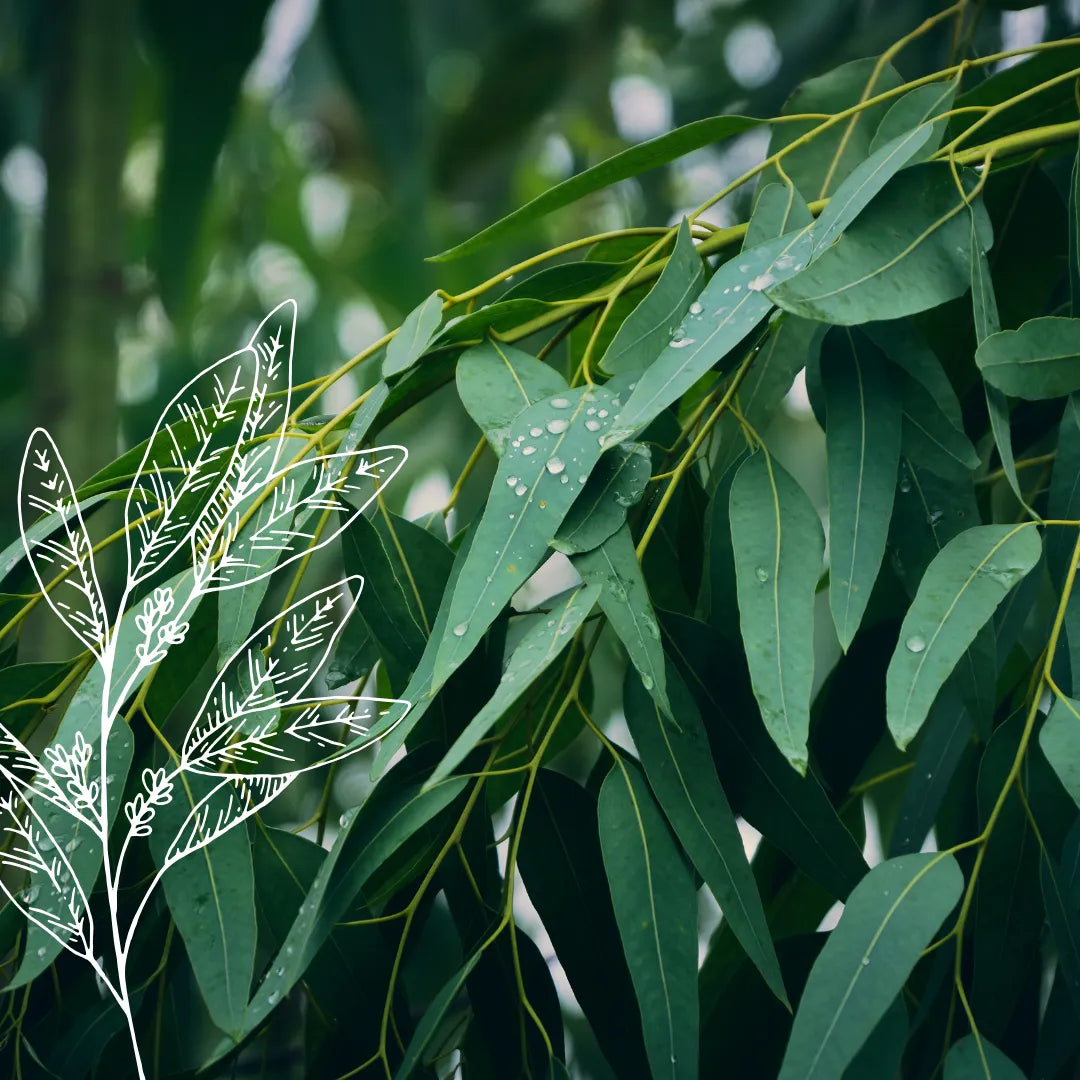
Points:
x=300 y=491
x=33 y=849
x=45 y=488
x=240 y=721
x=190 y=470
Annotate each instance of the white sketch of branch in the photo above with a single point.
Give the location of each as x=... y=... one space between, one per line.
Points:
x=212 y=466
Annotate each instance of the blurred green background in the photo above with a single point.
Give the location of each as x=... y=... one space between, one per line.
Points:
x=170 y=170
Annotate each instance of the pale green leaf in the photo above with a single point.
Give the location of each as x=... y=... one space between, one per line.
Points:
x=497 y=382
x=624 y=599
x=957 y=596
x=1060 y=742
x=924 y=103
x=1039 y=360
x=862 y=444
x=778 y=543
x=543 y=642
x=555 y=445
x=908 y=251
x=974 y=1058
x=413 y=336
x=729 y=308
x=648 y=328
x=778 y=209
x=889 y=918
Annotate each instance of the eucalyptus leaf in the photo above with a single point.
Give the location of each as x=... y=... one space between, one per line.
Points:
x=975 y=1058
x=413 y=337
x=648 y=328
x=957 y=596
x=656 y=911
x=778 y=544
x=1039 y=360
x=888 y=920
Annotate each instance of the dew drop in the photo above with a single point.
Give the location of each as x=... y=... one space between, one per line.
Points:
x=557 y=427
x=677 y=334
x=565 y=479
x=602 y=413
x=915 y=643
x=905 y=484
x=280 y=971
x=534 y=432
x=560 y=403
x=646 y=680
x=461 y=629
x=42 y=952
x=511 y=481
x=73 y=844
x=273 y=998
x=520 y=489
x=31 y=894
x=761 y=282
x=528 y=450
x=593 y=425
x=762 y=574
x=555 y=466
x=681 y=343
x=589 y=411
x=581 y=479
x=651 y=628
x=866 y=961
x=695 y=308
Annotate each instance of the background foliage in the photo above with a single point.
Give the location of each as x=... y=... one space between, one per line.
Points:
x=535 y=887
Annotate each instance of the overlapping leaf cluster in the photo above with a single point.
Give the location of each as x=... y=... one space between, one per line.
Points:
x=912 y=252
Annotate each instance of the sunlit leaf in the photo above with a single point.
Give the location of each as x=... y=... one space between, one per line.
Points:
x=413 y=337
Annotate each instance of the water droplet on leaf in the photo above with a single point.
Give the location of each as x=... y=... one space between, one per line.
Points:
x=762 y=574
x=557 y=427
x=461 y=629
x=555 y=466
x=916 y=643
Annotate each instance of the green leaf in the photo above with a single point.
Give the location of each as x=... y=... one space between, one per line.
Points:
x=562 y=865
x=538 y=649
x=1060 y=742
x=1061 y=903
x=883 y=1051
x=404 y=569
x=637 y=159
x=497 y=382
x=864 y=183
x=1074 y=236
x=396 y=811
x=647 y=329
x=946 y=736
x=888 y=920
x=624 y=598
x=616 y=484
x=924 y=103
x=958 y=594
x=818 y=166
x=364 y=417
x=656 y=910
x=433 y=1017
x=792 y=811
x=725 y=313
x=211 y=895
x=556 y=444
x=413 y=337
x=928 y=436
x=778 y=543
x=862 y=446
x=1039 y=360
x=974 y=1058
x=908 y=251
x=778 y=209
x=675 y=753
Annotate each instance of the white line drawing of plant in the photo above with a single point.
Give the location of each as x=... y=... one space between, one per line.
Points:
x=213 y=492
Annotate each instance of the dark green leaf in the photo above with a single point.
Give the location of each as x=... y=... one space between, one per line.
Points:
x=631 y=162
x=974 y=1058
x=656 y=910
x=917 y=107
x=675 y=752
x=1060 y=742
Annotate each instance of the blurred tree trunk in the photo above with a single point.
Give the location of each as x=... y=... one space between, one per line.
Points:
x=84 y=140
